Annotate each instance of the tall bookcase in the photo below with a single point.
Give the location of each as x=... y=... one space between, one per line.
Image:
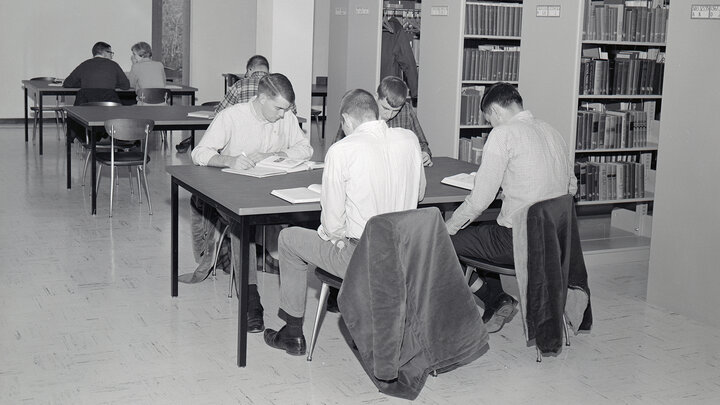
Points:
x=582 y=75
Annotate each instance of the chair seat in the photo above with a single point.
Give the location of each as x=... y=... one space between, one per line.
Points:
x=48 y=108
x=506 y=269
x=122 y=158
x=327 y=278
x=314 y=112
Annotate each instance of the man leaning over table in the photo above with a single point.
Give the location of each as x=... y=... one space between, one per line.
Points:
x=372 y=171
x=239 y=137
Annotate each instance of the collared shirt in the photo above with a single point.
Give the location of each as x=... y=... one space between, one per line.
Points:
x=242 y=91
x=375 y=170
x=526 y=157
x=405 y=118
x=240 y=129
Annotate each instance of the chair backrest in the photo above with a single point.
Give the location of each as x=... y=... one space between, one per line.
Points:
x=129 y=129
x=88 y=95
x=231 y=79
x=101 y=104
x=154 y=95
x=210 y=103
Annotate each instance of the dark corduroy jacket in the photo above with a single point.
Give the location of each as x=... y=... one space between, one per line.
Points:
x=405 y=302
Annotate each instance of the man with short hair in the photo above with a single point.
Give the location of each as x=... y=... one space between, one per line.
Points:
x=242 y=135
x=526 y=158
x=392 y=93
x=242 y=91
x=100 y=74
x=374 y=170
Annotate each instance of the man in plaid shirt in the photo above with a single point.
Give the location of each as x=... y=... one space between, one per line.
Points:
x=240 y=92
x=398 y=112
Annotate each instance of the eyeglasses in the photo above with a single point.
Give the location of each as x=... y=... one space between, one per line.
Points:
x=111 y=53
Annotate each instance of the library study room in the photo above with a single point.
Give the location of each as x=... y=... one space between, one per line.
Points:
x=360 y=202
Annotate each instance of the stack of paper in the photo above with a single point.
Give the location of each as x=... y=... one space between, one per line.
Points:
x=202 y=114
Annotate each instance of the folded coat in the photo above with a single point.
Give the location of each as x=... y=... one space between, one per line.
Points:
x=406 y=304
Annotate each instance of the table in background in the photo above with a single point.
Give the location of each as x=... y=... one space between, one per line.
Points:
x=37 y=89
x=165 y=117
x=255 y=206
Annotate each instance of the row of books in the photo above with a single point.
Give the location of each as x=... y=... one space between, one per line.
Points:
x=627 y=74
x=610 y=181
x=643 y=158
x=470 y=149
x=611 y=129
x=491 y=62
x=470 y=113
x=624 y=20
x=493 y=19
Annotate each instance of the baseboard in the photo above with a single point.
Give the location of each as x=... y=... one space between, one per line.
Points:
x=18 y=121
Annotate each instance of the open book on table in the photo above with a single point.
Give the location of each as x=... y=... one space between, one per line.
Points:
x=255 y=171
x=289 y=165
x=299 y=195
x=462 y=180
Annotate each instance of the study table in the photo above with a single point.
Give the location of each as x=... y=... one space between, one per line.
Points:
x=37 y=89
x=255 y=206
x=165 y=117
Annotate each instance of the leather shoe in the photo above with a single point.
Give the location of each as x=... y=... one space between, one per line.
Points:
x=499 y=312
x=183 y=146
x=293 y=345
x=255 y=322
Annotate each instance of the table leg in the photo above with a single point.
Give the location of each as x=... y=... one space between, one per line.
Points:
x=192 y=139
x=68 y=147
x=40 y=122
x=174 y=238
x=324 y=117
x=93 y=170
x=26 y=113
x=242 y=231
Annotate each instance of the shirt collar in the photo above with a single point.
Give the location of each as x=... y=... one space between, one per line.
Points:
x=371 y=126
x=524 y=115
x=256 y=114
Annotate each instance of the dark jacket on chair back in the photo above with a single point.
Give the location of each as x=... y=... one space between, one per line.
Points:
x=405 y=302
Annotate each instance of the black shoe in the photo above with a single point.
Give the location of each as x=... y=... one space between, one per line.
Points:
x=293 y=345
x=183 y=146
x=332 y=305
x=499 y=312
x=255 y=322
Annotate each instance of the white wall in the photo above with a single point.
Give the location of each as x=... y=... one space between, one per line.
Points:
x=50 y=38
x=684 y=270
x=321 y=38
x=222 y=38
x=285 y=37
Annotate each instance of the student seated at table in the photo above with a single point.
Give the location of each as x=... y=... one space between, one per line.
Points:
x=374 y=170
x=391 y=96
x=240 y=136
x=98 y=77
x=145 y=72
x=256 y=68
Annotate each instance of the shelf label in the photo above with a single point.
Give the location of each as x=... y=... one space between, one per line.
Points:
x=547 y=11
x=705 y=12
x=439 y=10
x=340 y=11
x=362 y=11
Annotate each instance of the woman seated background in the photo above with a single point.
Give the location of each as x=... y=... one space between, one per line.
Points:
x=145 y=72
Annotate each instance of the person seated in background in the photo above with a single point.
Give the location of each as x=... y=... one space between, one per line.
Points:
x=529 y=160
x=238 y=137
x=145 y=72
x=242 y=91
x=391 y=96
x=374 y=170
x=98 y=77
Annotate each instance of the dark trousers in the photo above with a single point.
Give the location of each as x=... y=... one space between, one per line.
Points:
x=489 y=241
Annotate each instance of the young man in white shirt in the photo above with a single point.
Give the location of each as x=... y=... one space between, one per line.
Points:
x=529 y=160
x=240 y=136
x=374 y=170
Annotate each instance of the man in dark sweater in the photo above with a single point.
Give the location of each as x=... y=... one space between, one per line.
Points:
x=100 y=74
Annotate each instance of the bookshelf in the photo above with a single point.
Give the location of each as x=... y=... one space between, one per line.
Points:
x=490 y=54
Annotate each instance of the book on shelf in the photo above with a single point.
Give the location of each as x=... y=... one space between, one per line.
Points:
x=209 y=114
x=625 y=20
x=610 y=180
x=470 y=113
x=299 y=195
x=470 y=149
x=496 y=19
x=461 y=180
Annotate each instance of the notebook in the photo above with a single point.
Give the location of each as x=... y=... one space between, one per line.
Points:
x=255 y=172
x=462 y=180
x=299 y=195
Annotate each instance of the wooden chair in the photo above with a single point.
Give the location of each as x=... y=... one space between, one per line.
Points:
x=126 y=129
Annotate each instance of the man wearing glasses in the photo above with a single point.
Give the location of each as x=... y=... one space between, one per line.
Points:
x=100 y=75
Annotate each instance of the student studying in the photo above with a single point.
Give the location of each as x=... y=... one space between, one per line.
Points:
x=238 y=138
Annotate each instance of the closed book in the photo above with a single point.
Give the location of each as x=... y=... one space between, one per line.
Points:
x=202 y=114
x=299 y=195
